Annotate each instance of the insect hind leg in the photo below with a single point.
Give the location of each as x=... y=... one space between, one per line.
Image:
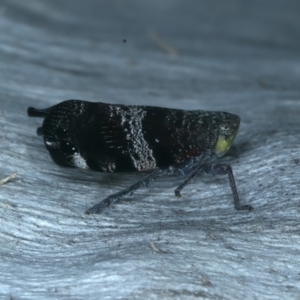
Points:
x=97 y=208
x=217 y=169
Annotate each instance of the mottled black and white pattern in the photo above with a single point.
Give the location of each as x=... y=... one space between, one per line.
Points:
x=139 y=150
x=119 y=138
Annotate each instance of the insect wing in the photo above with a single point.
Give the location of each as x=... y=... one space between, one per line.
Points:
x=177 y=135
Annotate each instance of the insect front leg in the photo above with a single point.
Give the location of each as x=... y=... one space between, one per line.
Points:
x=97 y=208
x=216 y=169
x=198 y=169
x=225 y=169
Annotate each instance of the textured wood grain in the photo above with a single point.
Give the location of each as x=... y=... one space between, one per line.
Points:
x=238 y=56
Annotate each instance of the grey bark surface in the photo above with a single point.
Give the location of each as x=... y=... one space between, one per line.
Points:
x=237 y=56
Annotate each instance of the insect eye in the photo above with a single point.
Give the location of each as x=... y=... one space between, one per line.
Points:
x=224 y=127
x=68 y=148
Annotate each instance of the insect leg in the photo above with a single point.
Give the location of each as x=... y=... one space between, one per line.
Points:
x=191 y=176
x=225 y=169
x=97 y=208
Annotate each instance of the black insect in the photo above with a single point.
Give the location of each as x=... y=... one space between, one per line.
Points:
x=120 y=138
